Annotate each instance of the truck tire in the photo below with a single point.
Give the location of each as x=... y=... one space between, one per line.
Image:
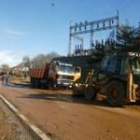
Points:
x=90 y=92
x=33 y=83
x=36 y=83
x=78 y=90
x=115 y=93
x=52 y=84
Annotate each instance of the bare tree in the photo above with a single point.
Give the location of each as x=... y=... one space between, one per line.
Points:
x=38 y=61
x=52 y=55
x=26 y=61
x=42 y=59
x=5 y=68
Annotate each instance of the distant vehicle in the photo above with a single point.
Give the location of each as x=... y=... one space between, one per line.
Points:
x=55 y=74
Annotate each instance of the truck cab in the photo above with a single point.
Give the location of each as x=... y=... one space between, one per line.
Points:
x=66 y=74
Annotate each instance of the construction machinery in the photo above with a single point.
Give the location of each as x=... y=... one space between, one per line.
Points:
x=117 y=77
x=55 y=74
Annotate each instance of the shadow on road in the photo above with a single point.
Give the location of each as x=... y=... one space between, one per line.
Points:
x=66 y=98
x=55 y=96
x=16 y=86
x=58 y=95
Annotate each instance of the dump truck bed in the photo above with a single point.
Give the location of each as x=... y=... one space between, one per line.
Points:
x=41 y=72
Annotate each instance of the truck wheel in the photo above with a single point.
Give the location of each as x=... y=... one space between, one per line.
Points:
x=74 y=91
x=115 y=93
x=90 y=93
x=33 y=83
x=36 y=83
x=78 y=90
x=52 y=84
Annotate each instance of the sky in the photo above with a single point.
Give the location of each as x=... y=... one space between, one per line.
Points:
x=32 y=27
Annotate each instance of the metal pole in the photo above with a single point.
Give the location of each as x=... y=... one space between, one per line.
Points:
x=70 y=39
x=91 y=38
x=69 y=51
x=139 y=36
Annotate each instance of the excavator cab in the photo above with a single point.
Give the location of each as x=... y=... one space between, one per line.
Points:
x=118 y=78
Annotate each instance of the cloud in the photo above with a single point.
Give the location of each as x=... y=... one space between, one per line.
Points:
x=16 y=33
x=11 y=58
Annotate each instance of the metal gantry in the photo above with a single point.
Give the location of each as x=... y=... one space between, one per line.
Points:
x=91 y=27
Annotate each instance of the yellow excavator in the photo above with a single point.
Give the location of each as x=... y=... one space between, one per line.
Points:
x=117 y=77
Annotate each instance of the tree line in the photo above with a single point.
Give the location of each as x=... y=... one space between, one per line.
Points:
x=127 y=39
x=39 y=60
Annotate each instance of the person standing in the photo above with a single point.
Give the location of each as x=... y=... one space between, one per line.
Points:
x=3 y=79
x=6 y=79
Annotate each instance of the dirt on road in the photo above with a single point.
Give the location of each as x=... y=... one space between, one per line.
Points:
x=68 y=118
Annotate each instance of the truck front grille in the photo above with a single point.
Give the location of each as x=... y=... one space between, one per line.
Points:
x=68 y=77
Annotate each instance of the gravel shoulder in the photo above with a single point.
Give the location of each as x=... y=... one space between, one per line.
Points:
x=11 y=127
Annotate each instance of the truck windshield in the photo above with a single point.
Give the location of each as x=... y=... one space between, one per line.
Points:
x=66 y=68
x=109 y=63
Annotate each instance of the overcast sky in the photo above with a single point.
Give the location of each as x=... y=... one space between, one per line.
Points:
x=31 y=27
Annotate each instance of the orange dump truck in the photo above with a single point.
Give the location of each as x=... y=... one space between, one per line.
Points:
x=55 y=74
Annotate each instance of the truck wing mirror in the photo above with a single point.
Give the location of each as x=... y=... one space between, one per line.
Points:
x=77 y=69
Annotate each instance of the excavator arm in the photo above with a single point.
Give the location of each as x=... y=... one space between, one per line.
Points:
x=131 y=85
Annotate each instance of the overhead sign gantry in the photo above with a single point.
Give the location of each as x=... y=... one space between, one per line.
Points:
x=91 y=27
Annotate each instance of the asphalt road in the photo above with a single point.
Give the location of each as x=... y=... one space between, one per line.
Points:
x=64 y=117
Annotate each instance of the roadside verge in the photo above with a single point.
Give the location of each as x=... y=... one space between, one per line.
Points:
x=35 y=131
